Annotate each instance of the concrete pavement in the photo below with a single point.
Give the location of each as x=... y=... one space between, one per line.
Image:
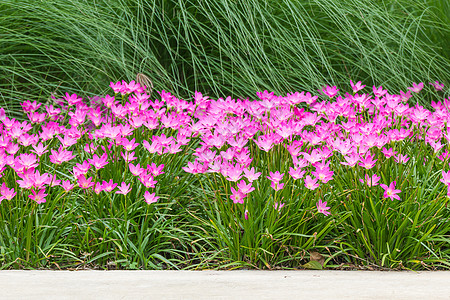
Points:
x=223 y=285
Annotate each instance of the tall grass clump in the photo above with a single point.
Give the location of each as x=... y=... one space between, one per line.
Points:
x=220 y=47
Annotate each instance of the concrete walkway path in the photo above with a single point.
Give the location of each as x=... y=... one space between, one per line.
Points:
x=223 y=285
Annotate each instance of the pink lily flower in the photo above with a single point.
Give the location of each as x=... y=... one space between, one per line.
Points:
x=323 y=208
x=416 y=87
x=275 y=177
x=39 y=149
x=85 y=183
x=72 y=99
x=310 y=183
x=128 y=156
x=401 y=159
x=98 y=188
x=357 y=87
x=390 y=191
x=150 y=198
x=232 y=173
x=124 y=188
x=136 y=170
x=251 y=175
x=244 y=187
x=330 y=91
x=277 y=186
x=61 y=156
x=6 y=193
x=368 y=162
x=371 y=181
x=67 y=186
x=237 y=196
x=379 y=91
x=278 y=205
x=99 y=162
x=28 y=161
x=147 y=180
x=388 y=153
x=446 y=178
x=296 y=173
x=39 y=197
x=155 y=170
x=108 y=186
x=437 y=85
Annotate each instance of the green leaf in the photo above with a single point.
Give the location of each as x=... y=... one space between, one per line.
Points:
x=313 y=265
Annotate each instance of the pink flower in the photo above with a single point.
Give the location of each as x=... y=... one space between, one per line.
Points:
x=27 y=160
x=357 y=87
x=38 y=197
x=99 y=162
x=61 y=156
x=237 y=196
x=147 y=180
x=128 y=156
x=26 y=183
x=296 y=173
x=232 y=173
x=379 y=91
x=310 y=183
x=275 y=177
x=128 y=145
x=72 y=99
x=277 y=186
x=416 y=87
x=368 y=162
x=154 y=147
x=390 y=192
x=351 y=160
x=371 y=181
x=98 y=188
x=108 y=186
x=401 y=159
x=6 y=193
x=85 y=183
x=330 y=91
x=246 y=214
x=245 y=188
x=323 y=174
x=124 y=188
x=322 y=207
x=39 y=149
x=117 y=87
x=67 y=186
x=136 y=170
x=278 y=205
x=155 y=170
x=388 y=153
x=150 y=198
x=195 y=168
x=81 y=169
x=251 y=175
x=39 y=180
x=446 y=178
x=437 y=85
x=264 y=142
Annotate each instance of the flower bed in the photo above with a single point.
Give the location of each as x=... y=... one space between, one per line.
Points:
x=128 y=182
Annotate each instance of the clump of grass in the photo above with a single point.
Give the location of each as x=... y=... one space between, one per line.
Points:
x=221 y=48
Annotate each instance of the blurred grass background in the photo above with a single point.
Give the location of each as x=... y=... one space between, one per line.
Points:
x=220 y=48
